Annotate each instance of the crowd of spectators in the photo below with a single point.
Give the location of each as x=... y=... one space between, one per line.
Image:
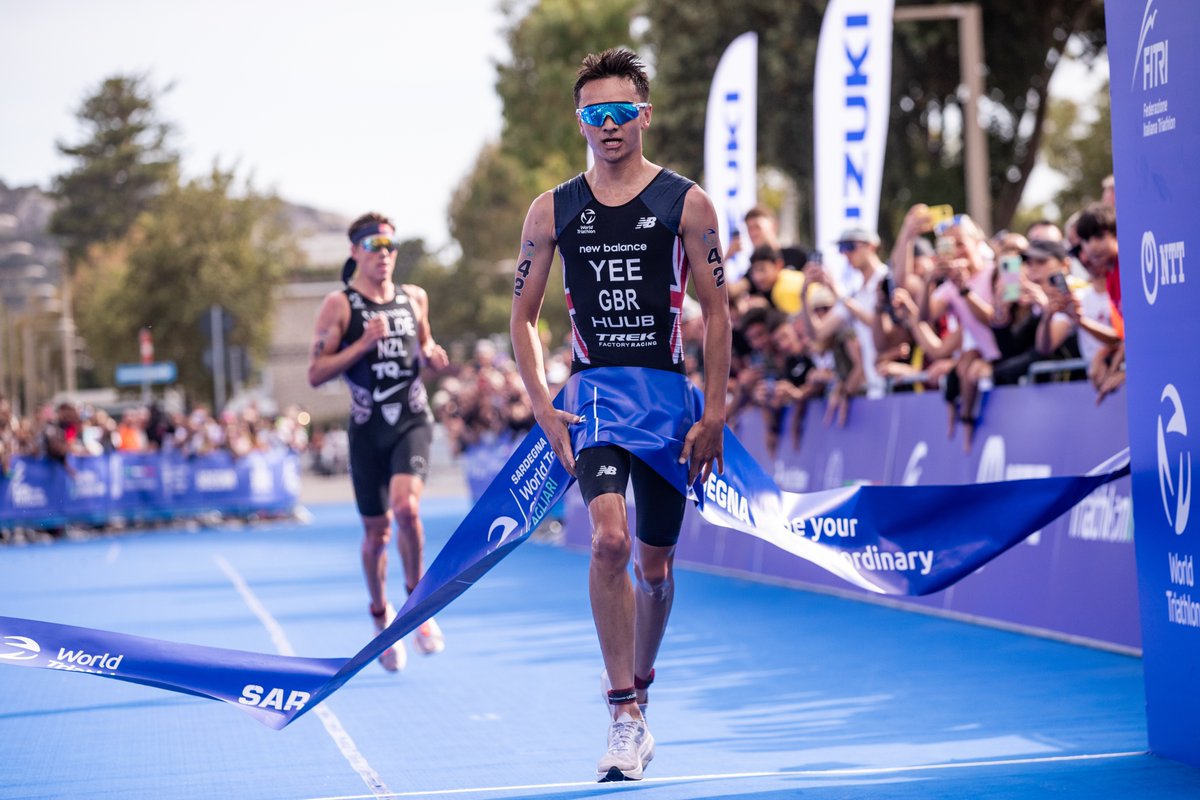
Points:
x=951 y=311
x=65 y=429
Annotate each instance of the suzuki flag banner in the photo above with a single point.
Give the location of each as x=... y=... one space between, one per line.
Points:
x=880 y=538
x=851 y=92
x=1155 y=72
x=731 y=143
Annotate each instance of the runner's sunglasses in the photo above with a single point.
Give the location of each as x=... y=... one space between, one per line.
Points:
x=373 y=244
x=620 y=112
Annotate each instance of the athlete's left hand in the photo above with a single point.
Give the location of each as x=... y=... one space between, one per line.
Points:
x=704 y=443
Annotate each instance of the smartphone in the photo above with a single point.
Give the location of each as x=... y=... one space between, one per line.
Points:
x=939 y=215
x=885 y=288
x=1059 y=281
x=1010 y=278
x=946 y=246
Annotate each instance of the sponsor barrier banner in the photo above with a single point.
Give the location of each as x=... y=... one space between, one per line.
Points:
x=1155 y=70
x=138 y=486
x=1075 y=577
x=731 y=143
x=852 y=86
x=875 y=537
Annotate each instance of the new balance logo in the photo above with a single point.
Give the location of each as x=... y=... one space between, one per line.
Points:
x=606 y=470
x=645 y=223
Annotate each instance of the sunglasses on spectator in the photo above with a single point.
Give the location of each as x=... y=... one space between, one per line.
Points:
x=821 y=309
x=373 y=244
x=621 y=113
x=847 y=247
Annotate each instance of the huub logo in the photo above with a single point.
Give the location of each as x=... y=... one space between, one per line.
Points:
x=20 y=648
x=1171 y=451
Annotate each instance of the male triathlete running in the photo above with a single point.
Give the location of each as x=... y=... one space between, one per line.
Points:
x=377 y=335
x=629 y=233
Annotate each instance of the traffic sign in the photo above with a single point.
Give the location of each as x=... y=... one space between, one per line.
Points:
x=138 y=374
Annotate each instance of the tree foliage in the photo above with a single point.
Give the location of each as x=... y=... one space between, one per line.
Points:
x=122 y=165
x=540 y=146
x=1078 y=145
x=203 y=244
x=1023 y=40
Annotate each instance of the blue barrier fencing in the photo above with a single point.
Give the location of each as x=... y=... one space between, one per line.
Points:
x=137 y=487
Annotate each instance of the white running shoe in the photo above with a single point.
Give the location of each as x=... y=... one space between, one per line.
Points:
x=606 y=687
x=395 y=657
x=429 y=638
x=630 y=749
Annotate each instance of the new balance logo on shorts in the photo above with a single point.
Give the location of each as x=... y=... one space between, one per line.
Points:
x=645 y=223
x=606 y=470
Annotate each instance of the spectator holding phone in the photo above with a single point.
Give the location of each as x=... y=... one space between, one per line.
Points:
x=962 y=289
x=856 y=306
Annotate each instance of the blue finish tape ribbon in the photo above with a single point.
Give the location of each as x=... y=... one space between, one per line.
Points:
x=880 y=538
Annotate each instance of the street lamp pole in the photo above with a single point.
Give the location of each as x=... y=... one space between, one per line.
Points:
x=971 y=70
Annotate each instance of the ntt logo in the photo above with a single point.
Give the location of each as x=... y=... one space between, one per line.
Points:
x=18 y=648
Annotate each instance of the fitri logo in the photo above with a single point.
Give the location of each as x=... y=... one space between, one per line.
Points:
x=18 y=648
x=1172 y=449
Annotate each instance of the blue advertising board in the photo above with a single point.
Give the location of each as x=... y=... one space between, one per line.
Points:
x=1075 y=578
x=1155 y=71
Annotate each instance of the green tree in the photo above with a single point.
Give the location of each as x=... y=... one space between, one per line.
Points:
x=1023 y=41
x=122 y=165
x=540 y=146
x=1078 y=145
x=203 y=244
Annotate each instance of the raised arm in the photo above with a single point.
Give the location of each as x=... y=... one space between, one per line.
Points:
x=432 y=352
x=325 y=361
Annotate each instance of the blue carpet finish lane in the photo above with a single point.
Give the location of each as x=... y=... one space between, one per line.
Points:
x=764 y=692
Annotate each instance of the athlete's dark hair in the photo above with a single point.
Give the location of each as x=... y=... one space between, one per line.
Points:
x=370 y=218
x=613 y=62
x=1095 y=220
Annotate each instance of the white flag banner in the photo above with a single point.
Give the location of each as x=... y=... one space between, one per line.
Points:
x=851 y=102
x=731 y=142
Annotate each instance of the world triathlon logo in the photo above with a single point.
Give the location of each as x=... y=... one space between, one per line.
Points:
x=18 y=648
x=1174 y=462
x=506 y=525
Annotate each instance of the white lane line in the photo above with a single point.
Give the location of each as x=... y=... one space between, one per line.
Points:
x=111 y=554
x=810 y=773
x=333 y=726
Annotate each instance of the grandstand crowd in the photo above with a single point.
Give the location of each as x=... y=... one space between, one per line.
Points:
x=950 y=311
x=67 y=429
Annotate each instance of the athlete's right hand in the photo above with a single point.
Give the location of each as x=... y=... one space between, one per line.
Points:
x=375 y=329
x=554 y=425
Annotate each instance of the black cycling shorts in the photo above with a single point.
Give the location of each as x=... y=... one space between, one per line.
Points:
x=659 y=505
x=374 y=459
